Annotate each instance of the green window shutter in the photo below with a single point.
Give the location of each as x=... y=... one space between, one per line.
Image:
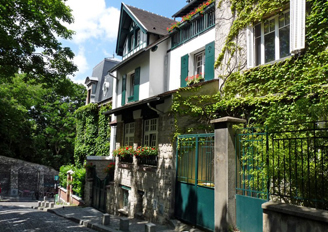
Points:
x=123 y=89
x=136 y=84
x=184 y=70
x=209 y=61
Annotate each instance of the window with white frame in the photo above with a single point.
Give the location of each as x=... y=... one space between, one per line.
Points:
x=129 y=133
x=151 y=132
x=199 y=63
x=272 y=39
x=277 y=37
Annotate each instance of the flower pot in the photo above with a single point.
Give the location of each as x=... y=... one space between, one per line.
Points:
x=126 y=159
x=148 y=160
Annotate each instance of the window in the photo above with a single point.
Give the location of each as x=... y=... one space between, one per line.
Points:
x=129 y=134
x=138 y=36
x=210 y=18
x=94 y=87
x=194 y=27
x=131 y=85
x=272 y=39
x=150 y=132
x=277 y=37
x=125 y=199
x=175 y=39
x=132 y=41
x=199 y=63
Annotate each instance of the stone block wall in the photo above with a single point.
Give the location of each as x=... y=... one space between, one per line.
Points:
x=150 y=188
x=18 y=175
x=284 y=217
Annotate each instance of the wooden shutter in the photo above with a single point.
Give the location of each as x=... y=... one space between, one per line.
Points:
x=209 y=61
x=297 y=25
x=184 y=70
x=136 y=84
x=123 y=89
x=250 y=46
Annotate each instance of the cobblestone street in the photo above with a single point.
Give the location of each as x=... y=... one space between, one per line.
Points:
x=21 y=218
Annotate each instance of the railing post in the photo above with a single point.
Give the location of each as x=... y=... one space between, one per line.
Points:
x=225 y=173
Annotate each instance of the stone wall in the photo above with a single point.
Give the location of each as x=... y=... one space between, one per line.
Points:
x=100 y=163
x=150 y=188
x=284 y=217
x=18 y=177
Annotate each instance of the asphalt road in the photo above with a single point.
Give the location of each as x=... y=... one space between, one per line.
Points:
x=20 y=217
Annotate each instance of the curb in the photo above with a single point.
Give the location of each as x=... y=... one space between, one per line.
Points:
x=88 y=224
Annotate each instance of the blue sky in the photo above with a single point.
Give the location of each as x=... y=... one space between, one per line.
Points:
x=95 y=26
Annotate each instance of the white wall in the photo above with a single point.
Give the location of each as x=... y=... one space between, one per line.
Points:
x=141 y=61
x=156 y=71
x=192 y=46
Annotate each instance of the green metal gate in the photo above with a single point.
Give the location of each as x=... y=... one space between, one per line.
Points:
x=195 y=180
x=99 y=195
x=251 y=178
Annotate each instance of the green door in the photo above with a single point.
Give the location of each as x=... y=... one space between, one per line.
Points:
x=195 y=180
x=251 y=183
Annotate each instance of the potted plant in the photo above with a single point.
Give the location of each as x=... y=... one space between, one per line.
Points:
x=109 y=170
x=125 y=154
x=146 y=155
x=194 y=79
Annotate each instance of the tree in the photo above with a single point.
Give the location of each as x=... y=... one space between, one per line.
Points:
x=29 y=26
x=37 y=124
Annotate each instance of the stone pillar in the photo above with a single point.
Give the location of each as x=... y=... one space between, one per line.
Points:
x=225 y=173
x=69 y=186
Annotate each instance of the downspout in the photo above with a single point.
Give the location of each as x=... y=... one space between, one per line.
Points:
x=156 y=110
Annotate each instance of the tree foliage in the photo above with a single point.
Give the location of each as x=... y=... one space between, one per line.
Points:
x=38 y=124
x=29 y=32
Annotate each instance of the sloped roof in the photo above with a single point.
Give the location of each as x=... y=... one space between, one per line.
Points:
x=187 y=8
x=153 y=23
x=147 y=21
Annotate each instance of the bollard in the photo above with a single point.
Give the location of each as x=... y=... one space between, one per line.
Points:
x=42 y=203
x=44 y=199
x=52 y=205
x=47 y=204
x=150 y=227
x=105 y=219
x=39 y=203
x=124 y=224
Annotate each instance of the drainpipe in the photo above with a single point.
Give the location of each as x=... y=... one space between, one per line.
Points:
x=154 y=109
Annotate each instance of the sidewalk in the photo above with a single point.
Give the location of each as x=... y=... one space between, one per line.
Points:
x=92 y=218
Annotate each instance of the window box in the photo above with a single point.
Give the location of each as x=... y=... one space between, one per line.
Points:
x=131 y=99
x=126 y=159
x=148 y=160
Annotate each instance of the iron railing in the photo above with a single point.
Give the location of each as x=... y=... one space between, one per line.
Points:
x=289 y=164
x=195 y=159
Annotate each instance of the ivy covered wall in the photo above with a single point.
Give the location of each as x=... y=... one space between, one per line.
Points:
x=92 y=132
x=292 y=90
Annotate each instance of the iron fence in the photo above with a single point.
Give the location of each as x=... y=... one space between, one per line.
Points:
x=289 y=164
x=196 y=159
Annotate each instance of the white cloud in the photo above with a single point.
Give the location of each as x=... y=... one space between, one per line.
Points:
x=81 y=62
x=93 y=20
